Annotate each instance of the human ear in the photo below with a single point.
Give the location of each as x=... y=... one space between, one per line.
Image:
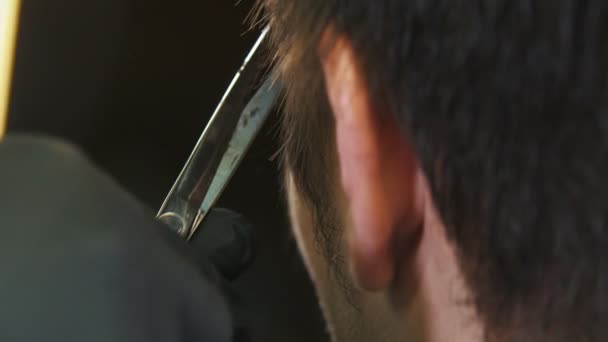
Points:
x=378 y=170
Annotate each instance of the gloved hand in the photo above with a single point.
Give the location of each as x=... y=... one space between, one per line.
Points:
x=82 y=260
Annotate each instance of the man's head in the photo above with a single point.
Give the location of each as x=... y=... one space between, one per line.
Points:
x=445 y=163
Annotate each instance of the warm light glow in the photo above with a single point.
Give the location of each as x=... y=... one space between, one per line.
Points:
x=9 y=10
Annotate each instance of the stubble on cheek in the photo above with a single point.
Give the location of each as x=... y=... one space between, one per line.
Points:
x=337 y=311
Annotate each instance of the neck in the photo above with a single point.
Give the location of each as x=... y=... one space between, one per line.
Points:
x=445 y=297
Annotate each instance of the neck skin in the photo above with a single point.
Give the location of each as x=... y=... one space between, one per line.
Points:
x=444 y=298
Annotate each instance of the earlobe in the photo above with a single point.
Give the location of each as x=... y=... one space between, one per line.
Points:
x=377 y=168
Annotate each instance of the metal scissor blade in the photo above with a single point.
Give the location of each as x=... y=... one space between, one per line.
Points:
x=227 y=135
x=252 y=119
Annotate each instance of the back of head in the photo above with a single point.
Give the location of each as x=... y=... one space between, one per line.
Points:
x=505 y=102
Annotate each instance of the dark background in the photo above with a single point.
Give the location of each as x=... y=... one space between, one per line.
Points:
x=133 y=83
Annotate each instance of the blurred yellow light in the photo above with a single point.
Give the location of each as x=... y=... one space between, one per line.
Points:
x=9 y=10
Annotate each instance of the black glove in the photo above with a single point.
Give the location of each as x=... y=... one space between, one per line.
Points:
x=82 y=260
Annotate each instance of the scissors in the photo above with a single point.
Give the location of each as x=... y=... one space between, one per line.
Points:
x=219 y=151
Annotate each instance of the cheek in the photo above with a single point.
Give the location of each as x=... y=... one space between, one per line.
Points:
x=338 y=313
x=302 y=227
x=320 y=271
